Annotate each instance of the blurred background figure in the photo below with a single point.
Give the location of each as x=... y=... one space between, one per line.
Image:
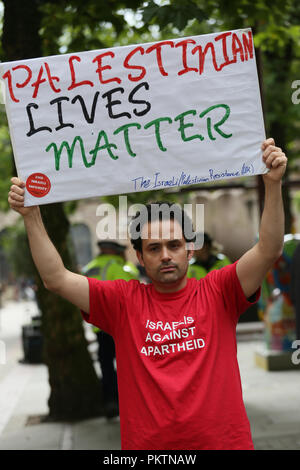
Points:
x=109 y=264
x=279 y=293
x=295 y=287
x=143 y=277
x=208 y=258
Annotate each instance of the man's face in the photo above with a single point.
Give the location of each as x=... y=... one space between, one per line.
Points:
x=164 y=253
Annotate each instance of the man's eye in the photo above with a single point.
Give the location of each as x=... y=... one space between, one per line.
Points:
x=175 y=245
x=154 y=248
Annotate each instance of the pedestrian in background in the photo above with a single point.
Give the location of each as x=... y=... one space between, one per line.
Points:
x=295 y=287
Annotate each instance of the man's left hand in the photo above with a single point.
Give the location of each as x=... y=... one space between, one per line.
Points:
x=274 y=159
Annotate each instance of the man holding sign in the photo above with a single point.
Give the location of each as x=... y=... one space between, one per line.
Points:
x=179 y=382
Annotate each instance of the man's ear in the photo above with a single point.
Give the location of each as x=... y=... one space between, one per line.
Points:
x=140 y=258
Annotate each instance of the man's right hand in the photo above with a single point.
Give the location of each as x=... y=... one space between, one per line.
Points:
x=16 y=197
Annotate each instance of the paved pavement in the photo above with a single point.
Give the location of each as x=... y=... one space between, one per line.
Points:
x=272 y=399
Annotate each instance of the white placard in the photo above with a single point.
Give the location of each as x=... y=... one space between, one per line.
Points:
x=135 y=118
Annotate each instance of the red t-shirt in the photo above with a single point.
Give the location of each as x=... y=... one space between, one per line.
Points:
x=178 y=376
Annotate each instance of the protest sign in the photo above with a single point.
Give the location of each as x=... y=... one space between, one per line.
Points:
x=135 y=118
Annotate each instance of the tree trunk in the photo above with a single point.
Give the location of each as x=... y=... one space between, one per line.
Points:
x=75 y=387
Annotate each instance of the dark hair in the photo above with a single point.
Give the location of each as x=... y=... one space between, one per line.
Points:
x=159 y=210
x=207 y=239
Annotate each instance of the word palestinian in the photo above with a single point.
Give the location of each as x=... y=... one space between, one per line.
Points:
x=226 y=49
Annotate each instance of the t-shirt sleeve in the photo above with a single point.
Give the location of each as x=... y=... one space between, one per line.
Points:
x=106 y=299
x=230 y=289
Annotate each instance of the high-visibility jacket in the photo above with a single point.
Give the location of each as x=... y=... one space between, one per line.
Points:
x=110 y=268
x=198 y=270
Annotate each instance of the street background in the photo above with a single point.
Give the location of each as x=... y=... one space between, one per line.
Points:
x=272 y=399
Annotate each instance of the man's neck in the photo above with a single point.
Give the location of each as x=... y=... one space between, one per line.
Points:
x=167 y=288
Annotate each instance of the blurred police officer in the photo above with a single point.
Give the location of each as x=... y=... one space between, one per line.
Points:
x=207 y=259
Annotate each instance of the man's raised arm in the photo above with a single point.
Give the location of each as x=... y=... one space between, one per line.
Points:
x=55 y=276
x=253 y=266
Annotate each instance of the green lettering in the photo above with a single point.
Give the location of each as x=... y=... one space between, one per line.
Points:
x=156 y=123
x=106 y=146
x=126 y=136
x=70 y=152
x=219 y=123
x=183 y=126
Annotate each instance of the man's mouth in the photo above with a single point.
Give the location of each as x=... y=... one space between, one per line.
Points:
x=167 y=269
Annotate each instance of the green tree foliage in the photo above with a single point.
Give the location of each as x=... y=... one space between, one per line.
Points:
x=15 y=244
x=76 y=26
x=6 y=161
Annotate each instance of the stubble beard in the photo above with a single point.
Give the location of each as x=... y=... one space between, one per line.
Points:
x=172 y=276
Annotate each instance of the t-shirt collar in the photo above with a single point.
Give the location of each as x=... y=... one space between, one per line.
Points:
x=173 y=295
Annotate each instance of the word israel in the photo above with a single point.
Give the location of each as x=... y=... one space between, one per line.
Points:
x=168 y=325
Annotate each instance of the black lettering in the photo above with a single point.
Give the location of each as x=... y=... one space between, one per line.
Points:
x=133 y=101
x=59 y=112
x=111 y=103
x=32 y=129
x=88 y=117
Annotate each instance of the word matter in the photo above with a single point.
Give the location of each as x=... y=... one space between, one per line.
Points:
x=212 y=127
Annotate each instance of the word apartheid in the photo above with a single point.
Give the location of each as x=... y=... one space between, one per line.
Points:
x=210 y=121
x=225 y=49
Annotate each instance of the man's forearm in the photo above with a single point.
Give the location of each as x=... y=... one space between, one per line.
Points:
x=271 y=233
x=45 y=256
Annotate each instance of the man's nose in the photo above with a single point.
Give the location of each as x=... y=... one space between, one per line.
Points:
x=165 y=255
